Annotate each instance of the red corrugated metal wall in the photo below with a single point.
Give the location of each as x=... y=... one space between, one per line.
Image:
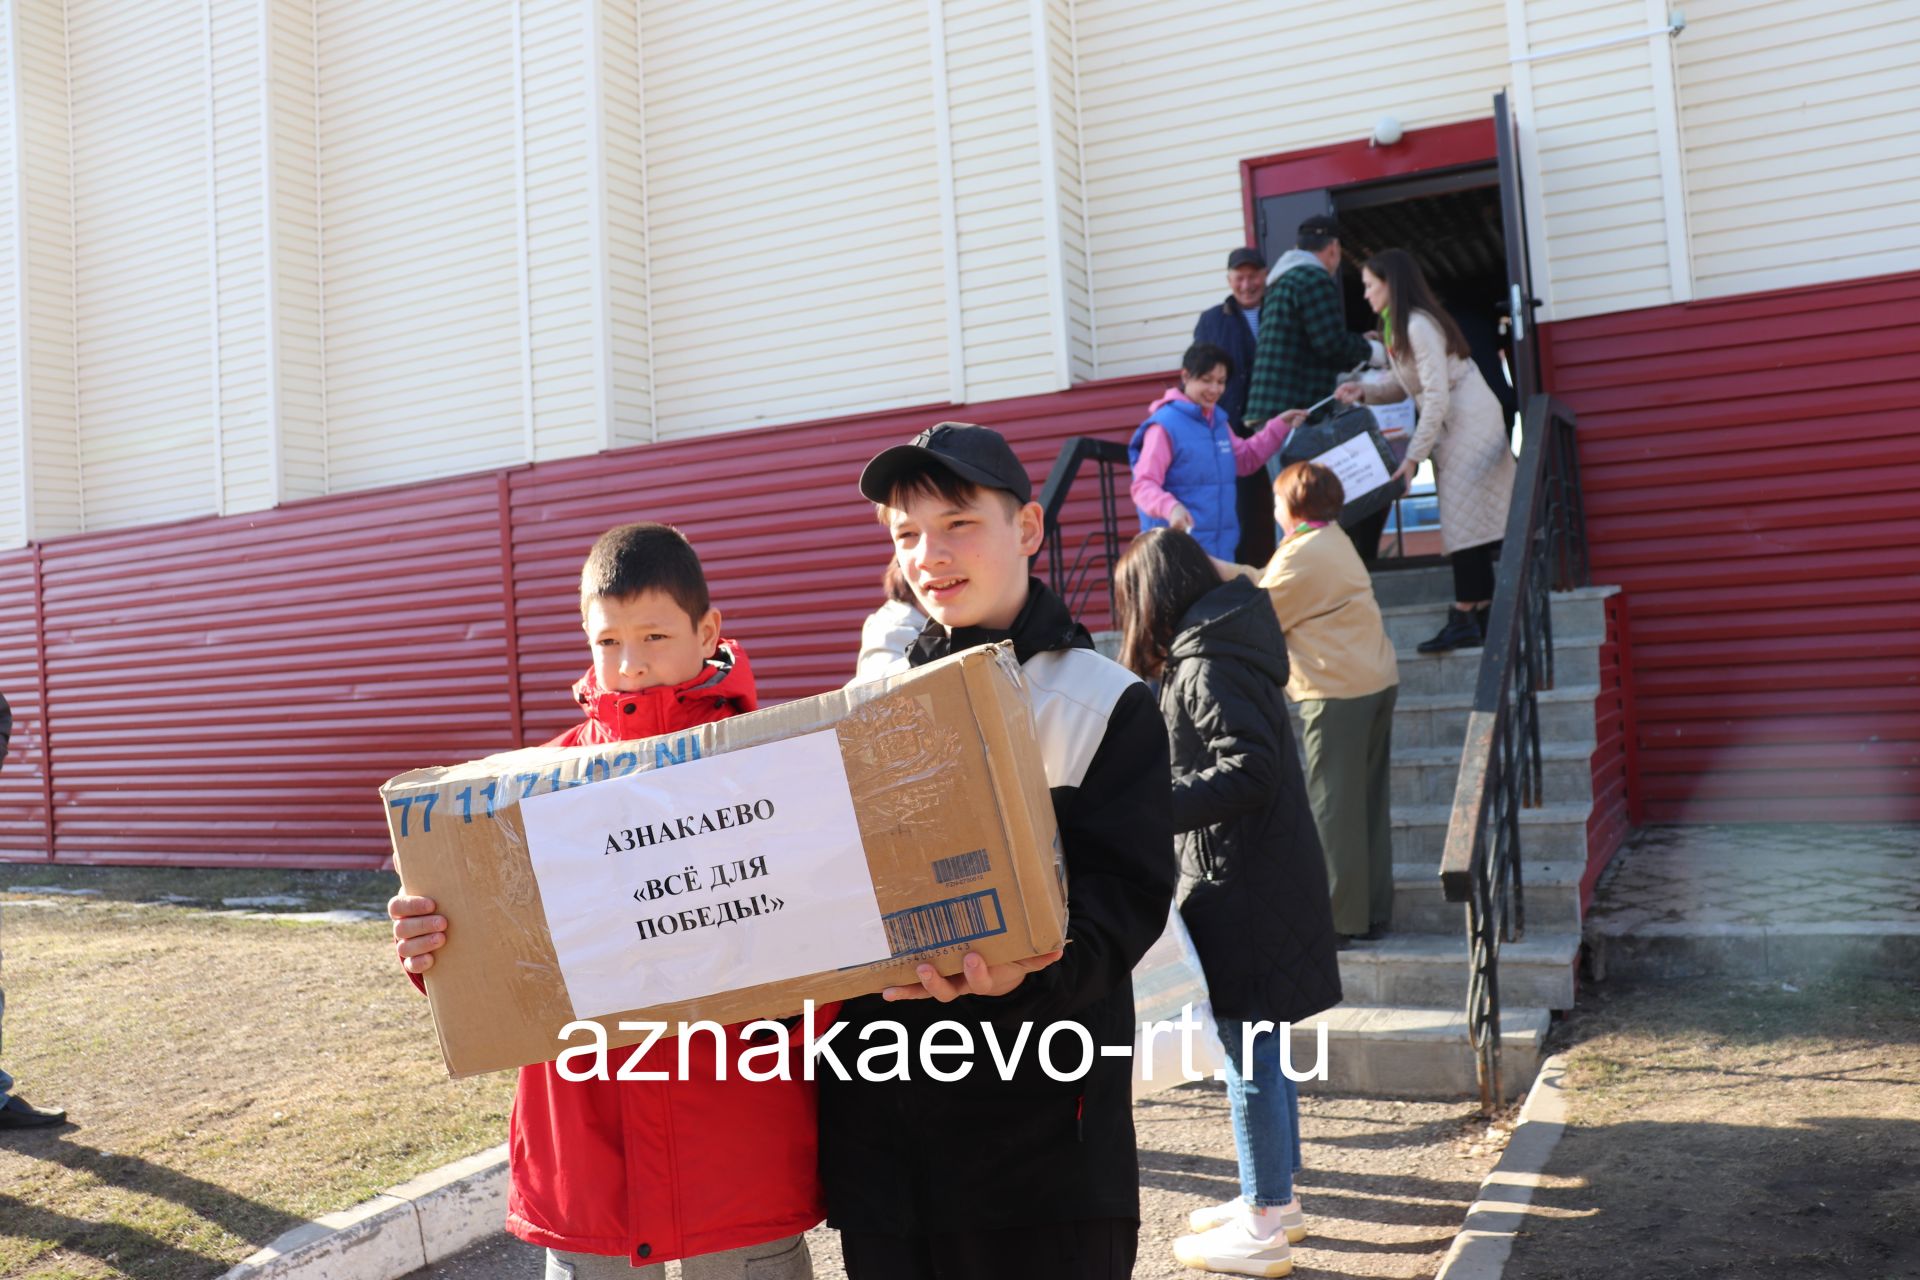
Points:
x=23 y=804
x=1752 y=472
x=231 y=691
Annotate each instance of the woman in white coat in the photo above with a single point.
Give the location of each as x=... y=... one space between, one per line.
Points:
x=1460 y=427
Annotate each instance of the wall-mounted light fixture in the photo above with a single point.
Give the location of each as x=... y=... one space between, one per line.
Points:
x=1387 y=131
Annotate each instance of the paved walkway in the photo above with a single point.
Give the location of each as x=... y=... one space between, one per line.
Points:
x=1758 y=900
x=1801 y=874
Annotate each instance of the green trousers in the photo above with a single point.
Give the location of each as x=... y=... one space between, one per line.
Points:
x=1349 y=749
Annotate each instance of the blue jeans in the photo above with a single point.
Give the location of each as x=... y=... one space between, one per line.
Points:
x=1266 y=1117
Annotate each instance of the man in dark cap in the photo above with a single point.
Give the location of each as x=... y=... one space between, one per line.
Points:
x=1233 y=326
x=1304 y=343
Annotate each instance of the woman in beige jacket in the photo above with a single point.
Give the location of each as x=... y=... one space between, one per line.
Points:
x=1342 y=674
x=1460 y=427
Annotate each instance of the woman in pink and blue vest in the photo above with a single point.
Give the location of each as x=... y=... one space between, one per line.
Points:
x=1186 y=457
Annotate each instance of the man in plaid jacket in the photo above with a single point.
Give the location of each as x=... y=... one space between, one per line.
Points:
x=1305 y=344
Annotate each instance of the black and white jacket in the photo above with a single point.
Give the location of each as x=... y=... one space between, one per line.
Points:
x=921 y=1156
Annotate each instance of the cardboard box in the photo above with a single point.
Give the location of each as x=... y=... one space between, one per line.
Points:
x=820 y=849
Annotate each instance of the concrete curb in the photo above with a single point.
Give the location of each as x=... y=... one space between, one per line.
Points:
x=1664 y=951
x=400 y=1230
x=1485 y=1241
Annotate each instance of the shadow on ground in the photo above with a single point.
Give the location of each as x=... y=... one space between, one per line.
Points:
x=1828 y=1196
x=124 y=1246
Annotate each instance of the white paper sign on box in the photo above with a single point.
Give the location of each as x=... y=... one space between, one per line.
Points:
x=1358 y=465
x=671 y=884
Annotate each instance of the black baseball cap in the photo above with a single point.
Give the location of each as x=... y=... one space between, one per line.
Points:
x=1245 y=258
x=978 y=455
x=1320 y=225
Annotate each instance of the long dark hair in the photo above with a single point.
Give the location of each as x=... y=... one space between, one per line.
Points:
x=1408 y=292
x=1163 y=574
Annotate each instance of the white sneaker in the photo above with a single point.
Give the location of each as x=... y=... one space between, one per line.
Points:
x=1239 y=1247
x=1291 y=1217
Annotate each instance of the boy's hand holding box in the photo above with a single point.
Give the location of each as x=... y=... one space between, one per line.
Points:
x=819 y=850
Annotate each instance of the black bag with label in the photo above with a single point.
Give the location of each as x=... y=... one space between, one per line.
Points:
x=1311 y=442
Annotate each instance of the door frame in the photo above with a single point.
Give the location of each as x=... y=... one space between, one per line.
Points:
x=1446 y=146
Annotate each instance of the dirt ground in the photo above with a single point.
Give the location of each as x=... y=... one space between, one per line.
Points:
x=1387 y=1185
x=226 y=1078
x=229 y=1077
x=1736 y=1130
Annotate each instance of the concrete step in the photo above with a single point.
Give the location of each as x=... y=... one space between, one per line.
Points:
x=1428 y=775
x=1430 y=586
x=1440 y=719
x=1574 y=612
x=1431 y=969
x=1576 y=661
x=1553 y=831
x=1403 y=1052
x=1550 y=889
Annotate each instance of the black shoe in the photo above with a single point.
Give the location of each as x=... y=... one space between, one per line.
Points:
x=1374 y=934
x=1461 y=632
x=1341 y=942
x=18 y=1113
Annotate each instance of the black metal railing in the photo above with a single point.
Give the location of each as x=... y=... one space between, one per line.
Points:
x=1545 y=550
x=1098 y=550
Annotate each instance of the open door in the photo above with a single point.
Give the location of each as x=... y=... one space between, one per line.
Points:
x=1277 y=218
x=1513 y=218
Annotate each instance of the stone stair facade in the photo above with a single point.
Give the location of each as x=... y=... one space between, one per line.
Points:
x=1402 y=1031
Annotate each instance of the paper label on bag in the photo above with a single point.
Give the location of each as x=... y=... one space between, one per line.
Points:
x=1394 y=419
x=708 y=876
x=1357 y=463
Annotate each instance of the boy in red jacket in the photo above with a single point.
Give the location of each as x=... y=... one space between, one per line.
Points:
x=614 y=1175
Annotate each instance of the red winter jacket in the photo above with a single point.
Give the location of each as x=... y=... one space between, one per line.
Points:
x=656 y=1170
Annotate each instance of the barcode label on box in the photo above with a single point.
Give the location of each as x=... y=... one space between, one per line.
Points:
x=961 y=866
x=942 y=924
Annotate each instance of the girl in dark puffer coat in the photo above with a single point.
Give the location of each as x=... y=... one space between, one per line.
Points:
x=1253 y=886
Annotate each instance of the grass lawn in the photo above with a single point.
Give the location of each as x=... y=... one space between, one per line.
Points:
x=226 y=1077
x=1735 y=1129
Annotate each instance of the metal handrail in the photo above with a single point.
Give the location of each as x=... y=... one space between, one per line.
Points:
x=1073 y=578
x=1073 y=582
x=1545 y=550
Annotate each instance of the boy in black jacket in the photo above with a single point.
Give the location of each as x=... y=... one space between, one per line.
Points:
x=991 y=1176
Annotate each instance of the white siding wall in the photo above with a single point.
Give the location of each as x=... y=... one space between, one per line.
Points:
x=560 y=194
x=14 y=480
x=623 y=134
x=1062 y=72
x=1803 y=165
x=142 y=264
x=298 y=295
x=418 y=207
x=1596 y=148
x=323 y=245
x=48 y=271
x=237 y=182
x=1168 y=109
x=994 y=117
x=792 y=190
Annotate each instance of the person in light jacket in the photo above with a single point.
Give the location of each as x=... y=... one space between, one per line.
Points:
x=1460 y=427
x=890 y=630
x=1345 y=680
